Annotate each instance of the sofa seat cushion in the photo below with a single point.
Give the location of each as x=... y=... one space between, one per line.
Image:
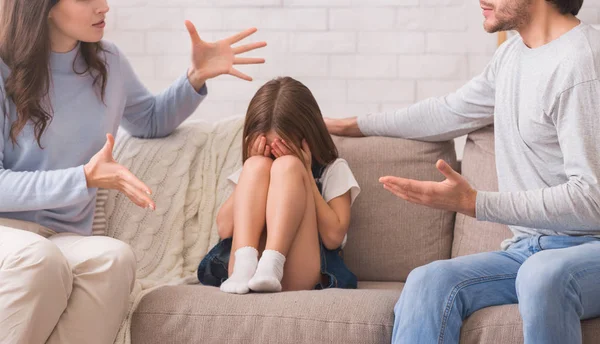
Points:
x=380 y=285
x=199 y=314
x=503 y=324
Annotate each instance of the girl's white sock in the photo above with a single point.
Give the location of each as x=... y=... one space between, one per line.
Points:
x=246 y=259
x=269 y=272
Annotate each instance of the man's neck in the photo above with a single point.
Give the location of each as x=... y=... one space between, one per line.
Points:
x=545 y=25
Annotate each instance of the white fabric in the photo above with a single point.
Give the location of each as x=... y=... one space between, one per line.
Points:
x=246 y=260
x=336 y=180
x=185 y=171
x=57 y=289
x=269 y=272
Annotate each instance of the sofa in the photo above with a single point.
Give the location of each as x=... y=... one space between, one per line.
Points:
x=388 y=237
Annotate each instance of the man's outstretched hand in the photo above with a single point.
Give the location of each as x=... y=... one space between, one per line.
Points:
x=453 y=194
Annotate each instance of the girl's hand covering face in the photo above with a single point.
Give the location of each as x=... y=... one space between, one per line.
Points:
x=260 y=147
x=281 y=148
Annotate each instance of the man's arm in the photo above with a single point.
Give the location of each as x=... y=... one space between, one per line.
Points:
x=572 y=206
x=436 y=119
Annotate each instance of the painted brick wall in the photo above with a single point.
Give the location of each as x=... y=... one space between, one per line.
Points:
x=356 y=56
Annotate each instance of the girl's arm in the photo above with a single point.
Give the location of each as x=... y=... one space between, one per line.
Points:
x=225 y=218
x=333 y=218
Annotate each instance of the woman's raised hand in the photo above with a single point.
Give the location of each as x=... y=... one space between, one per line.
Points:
x=211 y=59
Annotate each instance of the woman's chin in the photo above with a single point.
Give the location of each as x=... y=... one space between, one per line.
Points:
x=92 y=38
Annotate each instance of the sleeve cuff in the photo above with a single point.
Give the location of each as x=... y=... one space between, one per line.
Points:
x=200 y=94
x=363 y=124
x=480 y=201
x=203 y=91
x=82 y=183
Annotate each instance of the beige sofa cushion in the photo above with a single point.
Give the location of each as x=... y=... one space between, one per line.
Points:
x=479 y=169
x=388 y=237
x=198 y=314
x=503 y=324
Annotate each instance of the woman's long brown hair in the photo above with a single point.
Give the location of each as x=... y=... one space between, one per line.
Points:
x=25 y=48
x=289 y=108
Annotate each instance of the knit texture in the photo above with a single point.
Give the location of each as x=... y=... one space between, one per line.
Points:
x=187 y=173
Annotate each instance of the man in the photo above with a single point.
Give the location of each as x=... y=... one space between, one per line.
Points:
x=542 y=92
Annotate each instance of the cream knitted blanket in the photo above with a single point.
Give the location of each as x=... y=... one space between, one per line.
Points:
x=187 y=172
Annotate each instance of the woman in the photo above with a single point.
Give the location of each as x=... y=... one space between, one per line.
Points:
x=62 y=90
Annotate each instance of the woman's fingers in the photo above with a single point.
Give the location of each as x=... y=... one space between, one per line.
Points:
x=128 y=191
x=136 y=190
x=239 y=74
x=241 y=35
x=248 y=60
x=268 y=151
x=248 y=47
x=132 y=180
x=193 y=32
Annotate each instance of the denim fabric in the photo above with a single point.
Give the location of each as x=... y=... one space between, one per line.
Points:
x=213 y=269
x=334 y=272
x=554 y=279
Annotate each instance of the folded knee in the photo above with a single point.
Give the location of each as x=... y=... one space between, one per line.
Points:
x=258 y=164
x=40 y=264
x=288 y=165
x=543 y=278
x=110 y=257
x=436 y=273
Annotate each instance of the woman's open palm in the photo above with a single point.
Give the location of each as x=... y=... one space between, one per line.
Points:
x=211 y=59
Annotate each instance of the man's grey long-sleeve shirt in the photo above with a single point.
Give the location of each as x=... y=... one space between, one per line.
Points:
x=545 y=105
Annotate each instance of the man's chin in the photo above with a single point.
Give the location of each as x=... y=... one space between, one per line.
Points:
x=492 y=26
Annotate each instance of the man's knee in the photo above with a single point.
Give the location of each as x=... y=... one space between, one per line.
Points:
x=441 y=272
x=542 y=279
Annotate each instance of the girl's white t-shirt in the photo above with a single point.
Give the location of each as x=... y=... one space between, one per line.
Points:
x=336 y=180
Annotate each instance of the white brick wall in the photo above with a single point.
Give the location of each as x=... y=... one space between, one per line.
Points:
x=357 y=56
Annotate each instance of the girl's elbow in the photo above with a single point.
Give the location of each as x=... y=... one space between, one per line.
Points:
x=333 y=241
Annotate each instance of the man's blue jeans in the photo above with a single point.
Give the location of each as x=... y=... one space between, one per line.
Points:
x=554 y=279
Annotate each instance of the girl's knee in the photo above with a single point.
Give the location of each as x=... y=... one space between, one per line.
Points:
x=258 y=164
x=288 y=164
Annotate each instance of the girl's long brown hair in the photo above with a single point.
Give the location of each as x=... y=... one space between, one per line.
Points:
x=288 y=107
x=25 y=48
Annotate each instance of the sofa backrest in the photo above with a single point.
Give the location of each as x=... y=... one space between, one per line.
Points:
x=388 y=237
x=479 y=169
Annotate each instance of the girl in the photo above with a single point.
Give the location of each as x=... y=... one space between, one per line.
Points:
x=292 y=201
x=62 y=90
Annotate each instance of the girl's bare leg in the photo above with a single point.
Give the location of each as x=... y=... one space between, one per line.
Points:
x=248 y=223
x=291 y=231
